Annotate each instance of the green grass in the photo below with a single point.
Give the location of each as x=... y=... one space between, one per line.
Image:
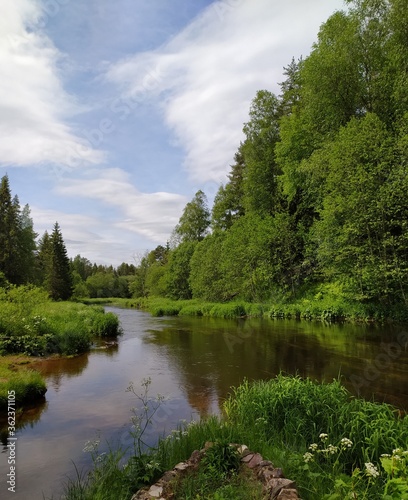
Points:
x=27 y=384
x=32 y=324
x=323 y=303
x=280 y=419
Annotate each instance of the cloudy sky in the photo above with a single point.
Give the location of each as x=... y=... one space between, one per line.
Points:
x=113 y=114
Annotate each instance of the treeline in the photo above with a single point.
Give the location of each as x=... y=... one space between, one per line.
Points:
x=316 y=200
x=44 y=262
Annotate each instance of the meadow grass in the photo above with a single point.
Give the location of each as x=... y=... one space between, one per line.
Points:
x=328 y=442
x=31 y=324
x=319 y=303
x=15 y=375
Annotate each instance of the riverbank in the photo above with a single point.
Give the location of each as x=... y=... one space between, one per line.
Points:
x=33 y=327
x=326 y=441
x=18 y=374
x=320 y=307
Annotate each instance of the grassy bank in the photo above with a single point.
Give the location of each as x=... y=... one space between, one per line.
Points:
x=318 y=307
x=334 y=446
x=16 y=375
x=32 y=325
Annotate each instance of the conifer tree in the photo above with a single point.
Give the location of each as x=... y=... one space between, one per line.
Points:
x=17 y=237
x=59 y=281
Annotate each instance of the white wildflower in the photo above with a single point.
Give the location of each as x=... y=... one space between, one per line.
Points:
x=323 y=436
x=308 y=457
x=371 y=470
x=313 y=447
x=346 y=443
x=331 y=449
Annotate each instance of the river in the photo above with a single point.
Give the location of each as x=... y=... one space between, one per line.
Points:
x=194 y=362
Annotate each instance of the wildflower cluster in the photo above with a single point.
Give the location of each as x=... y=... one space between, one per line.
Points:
x=326 y=450
x=371 y=470
x=396 y=464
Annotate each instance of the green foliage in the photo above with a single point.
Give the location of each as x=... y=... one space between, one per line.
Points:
x=28 y=385
x=195 y=220
x=58 y=278
x=17 y=238
x=331 y=444
x=207 y=279
x=178 y=278
x=30 y=323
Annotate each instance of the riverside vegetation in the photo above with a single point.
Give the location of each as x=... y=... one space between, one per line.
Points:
x=33 y=325
x=334 y=446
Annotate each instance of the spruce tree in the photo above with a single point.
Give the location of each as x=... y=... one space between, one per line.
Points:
x=59 y=281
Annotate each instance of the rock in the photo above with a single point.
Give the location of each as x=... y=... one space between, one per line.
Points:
x=278 y=472
x=181 y=466
x=266 y=463
x=288 y=494
x=255 y=461
x=241 y=449
x=155 y=491
x=277 y=484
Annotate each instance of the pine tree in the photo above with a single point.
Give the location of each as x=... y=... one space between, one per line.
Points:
x=8 y=229
x=59 y=281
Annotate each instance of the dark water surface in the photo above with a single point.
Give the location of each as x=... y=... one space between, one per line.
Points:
x=193 y=361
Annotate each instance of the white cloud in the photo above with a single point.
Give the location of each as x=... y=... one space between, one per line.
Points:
x=34 y=107
x=152 y=216
x=208 y=74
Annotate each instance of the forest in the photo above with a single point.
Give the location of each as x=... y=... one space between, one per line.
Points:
x=314 y=207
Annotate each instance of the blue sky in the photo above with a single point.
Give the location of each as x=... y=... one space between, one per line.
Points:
x=113 y=114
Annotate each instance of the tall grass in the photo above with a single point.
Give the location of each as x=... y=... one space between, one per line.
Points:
x=28 y=385
x=280 y=419
x=30 y=323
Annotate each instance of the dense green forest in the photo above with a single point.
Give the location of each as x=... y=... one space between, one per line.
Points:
x=315 y=203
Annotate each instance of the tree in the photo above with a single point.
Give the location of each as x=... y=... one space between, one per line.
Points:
x=362 y=232
x=17 y=237
x=178 y=274
x=229 y=201
x=9 y=231
x=195 y=220
x=58 y=280
x=206 y=276
x=260 y=185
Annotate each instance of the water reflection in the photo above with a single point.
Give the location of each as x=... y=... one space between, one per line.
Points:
x=212 y=355
x=194 y=361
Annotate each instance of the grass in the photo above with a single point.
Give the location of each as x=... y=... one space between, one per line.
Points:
x=323 y=303
x=32 y=325
x=297 y=424
x=16 y=375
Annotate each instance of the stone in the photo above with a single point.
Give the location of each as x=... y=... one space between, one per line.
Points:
x=255 y=461
x=195 y=457
x=246 y=458
x=155 y=491
x=242 y=448
x=277 y=484
x=181 y=466
x=266 y=463
x=278 y=472
x=288 y=494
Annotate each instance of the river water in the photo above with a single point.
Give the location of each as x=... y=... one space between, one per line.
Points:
x=193 y=362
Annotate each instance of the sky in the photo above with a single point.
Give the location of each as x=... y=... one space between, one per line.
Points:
x=114 y=114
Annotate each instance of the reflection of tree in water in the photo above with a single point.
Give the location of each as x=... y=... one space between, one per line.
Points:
x=55 y=369
x=28 y=416
x=211 y=355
